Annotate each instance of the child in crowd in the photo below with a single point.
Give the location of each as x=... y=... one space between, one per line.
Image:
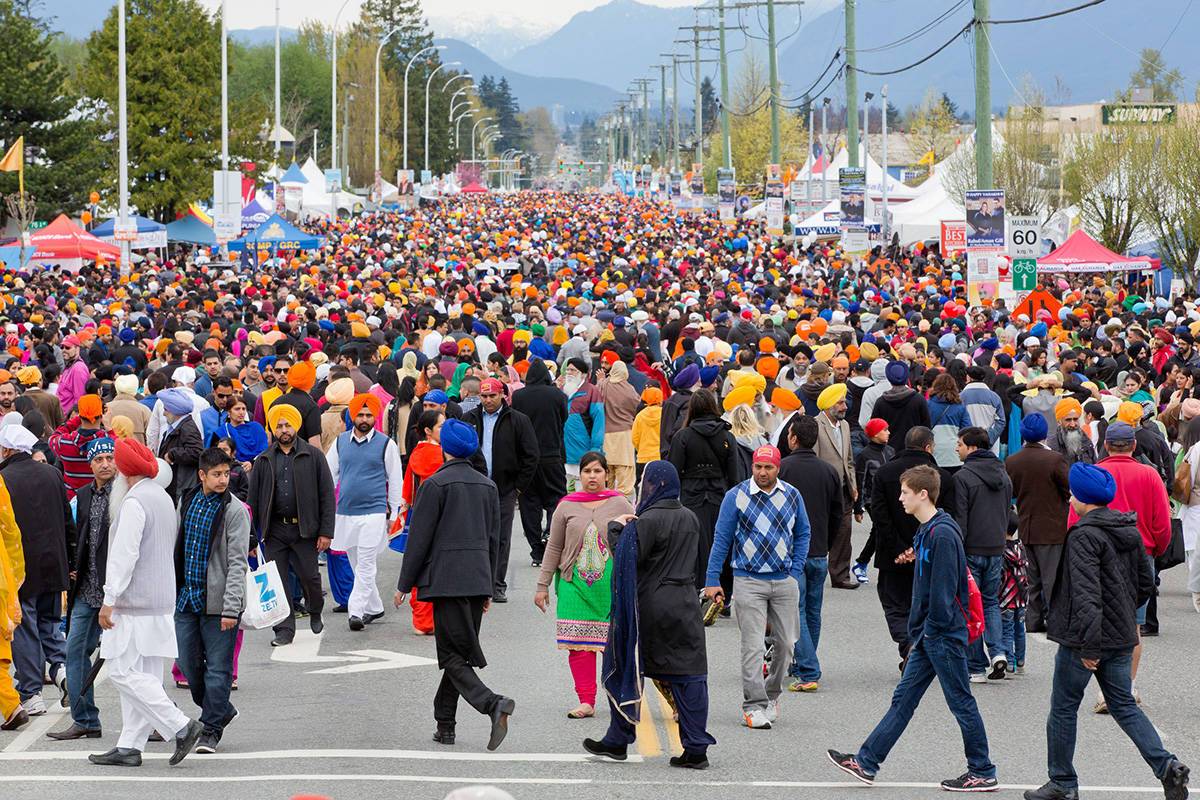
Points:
x=1014 y=594
x=866 y=464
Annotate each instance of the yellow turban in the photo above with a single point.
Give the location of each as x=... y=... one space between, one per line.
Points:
x=29 y=376
x=741 y=396
x=825 y=352
x=122 y=426
x=359 y=330
x=869 y=351
x=1069 y=405
x=785 y=400
x=522 y=336
x=283 y=411
x=1130 y=413
x=831 y=395
x=752 y=379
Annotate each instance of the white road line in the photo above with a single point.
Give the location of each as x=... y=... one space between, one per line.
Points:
x=392 y=778
x=40 y=725
x=425 y=755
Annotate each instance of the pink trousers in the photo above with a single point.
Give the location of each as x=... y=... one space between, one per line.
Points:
x=583 y=671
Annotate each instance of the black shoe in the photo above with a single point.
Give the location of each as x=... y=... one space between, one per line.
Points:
x=1147 y=630
x=74 y=732
x=970 y=783
x=500 y=713
x=340 y=609
x=444 y=736
x=599 y=748
x=690 y=761
x=316 y=624
x=207 y=743
x=155 y=736
x=229 y=718
x=1176 y=780
x=499 y=596
x=357 y=624
x=848 y=763
x=369 y=618
x=283 y=639
x=118 y=757
x=185 y=741
x=1052 y=791
x=535 y=562
x=16 y=720
x=998 y=668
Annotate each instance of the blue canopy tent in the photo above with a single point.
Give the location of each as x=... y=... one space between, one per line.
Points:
x=151 y=235
x=191 y=230
x=11 y=256
x=294 y=175
x=253 y=215
x=276 y=234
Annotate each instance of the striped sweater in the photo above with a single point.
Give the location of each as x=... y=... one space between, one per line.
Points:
x=70 y=442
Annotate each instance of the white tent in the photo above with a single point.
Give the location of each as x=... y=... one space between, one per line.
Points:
x=315 y=200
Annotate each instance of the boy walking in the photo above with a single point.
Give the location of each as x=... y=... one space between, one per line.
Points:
x=938 y=632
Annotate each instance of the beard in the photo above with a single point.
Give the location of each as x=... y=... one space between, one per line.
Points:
x=1073 y=439
x=116 y=496
x=364 y=427
x=285 y=438
x=571 y=384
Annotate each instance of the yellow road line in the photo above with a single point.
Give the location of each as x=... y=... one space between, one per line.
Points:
x=647 y=735
x=673 y=742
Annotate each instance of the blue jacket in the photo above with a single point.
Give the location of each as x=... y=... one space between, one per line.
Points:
x=985 y=409
x=578 y=438
x=940 y=593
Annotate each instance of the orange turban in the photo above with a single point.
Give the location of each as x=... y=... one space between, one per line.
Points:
x=90 y=407
x=367 y=399
x=768 y=367
x=1069 y=405
x=785 y=400
x=1130 y=413
x=302 y=376
x=652 y=396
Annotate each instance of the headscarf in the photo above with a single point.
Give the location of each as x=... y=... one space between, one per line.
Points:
x=408 y=366
x=456 y=380
x=621 y=670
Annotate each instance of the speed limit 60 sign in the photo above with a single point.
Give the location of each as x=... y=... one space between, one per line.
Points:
x=1024 y=237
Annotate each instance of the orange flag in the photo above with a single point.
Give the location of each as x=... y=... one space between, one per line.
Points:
x=14 y=159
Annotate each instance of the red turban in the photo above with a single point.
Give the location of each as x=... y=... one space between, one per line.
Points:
x=134 y=459
x=369 y=400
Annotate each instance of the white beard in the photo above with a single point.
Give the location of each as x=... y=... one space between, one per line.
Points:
x=116 y=496
x=571 y=386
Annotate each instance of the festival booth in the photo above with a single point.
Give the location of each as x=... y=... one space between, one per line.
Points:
x=274 y=235
x=151 y=235
x=1082 y=253
x=253 y=215
x=64 y=244
x=191 y=230
x=474 y=188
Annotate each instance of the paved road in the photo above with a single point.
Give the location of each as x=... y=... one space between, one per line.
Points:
x=362 y=728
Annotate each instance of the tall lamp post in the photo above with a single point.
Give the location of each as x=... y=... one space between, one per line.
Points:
x=428 y=83
x=416 y=55
x=123 y=138
x=333 y=104
x=378 y=55
x=473 y=129
x=466 y=112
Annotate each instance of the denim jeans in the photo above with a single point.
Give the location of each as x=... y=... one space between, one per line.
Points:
x=1013 y=620
x=1070 y=682
x=38 y=641
x=929 y=657
x=988 y=572
x=83 y=637
x=206 y=658
x=805 y=664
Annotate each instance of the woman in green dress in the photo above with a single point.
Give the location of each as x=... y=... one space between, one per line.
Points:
x=579 y=561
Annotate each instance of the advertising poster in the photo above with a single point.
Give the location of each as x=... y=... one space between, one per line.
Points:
x=697 y=185
x=985 y=218
x=983 y=275
x=774 y=208
x=726 y=193
x=852 y=182
x=954 y=237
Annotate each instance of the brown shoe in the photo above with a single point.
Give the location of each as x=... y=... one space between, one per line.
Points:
x=76 y=731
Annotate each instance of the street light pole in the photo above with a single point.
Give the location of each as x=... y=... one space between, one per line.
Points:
x=224 y=110
x=473 y=129
x=277 y=112
x=458 y=123
x=406 y=69
x=333 y=104
x=123 y=137
x=428 y=82
x=378 y=55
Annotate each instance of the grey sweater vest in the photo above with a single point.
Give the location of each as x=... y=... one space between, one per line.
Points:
x=151 y=590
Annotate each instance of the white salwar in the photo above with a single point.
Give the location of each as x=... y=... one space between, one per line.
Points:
x=138 y=647
x=362 y=537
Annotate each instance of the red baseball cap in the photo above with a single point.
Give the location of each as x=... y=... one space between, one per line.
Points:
x=767 y=454
x=491 y=386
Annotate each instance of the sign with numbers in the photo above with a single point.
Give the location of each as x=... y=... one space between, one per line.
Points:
x=1024 y=237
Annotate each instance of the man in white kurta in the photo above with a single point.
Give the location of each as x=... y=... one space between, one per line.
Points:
x=367 y=471
x=137 y=616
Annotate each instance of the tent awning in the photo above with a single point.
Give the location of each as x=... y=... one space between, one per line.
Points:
x=191 y=230
x=1082 y=253
x=62 y=241
x=276 y=233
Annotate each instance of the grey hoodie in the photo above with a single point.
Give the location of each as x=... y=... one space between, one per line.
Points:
x=879 y=376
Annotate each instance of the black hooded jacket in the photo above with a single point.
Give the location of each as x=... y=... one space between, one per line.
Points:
x=982 y=494
x=1104 y=576
x=546 y=406
x=705 y=455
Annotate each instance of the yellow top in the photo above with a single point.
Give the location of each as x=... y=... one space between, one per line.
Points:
x=12 y=565
x=646 y=426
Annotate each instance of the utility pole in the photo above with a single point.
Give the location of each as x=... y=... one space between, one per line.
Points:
x=696 y=61
x=825 y=148
x=983 y=98
x=675 y=62
x=773 y=75
x=726 y=137
x=662 y=110
x=644 y=145
x=884 y=222
x=851 y=87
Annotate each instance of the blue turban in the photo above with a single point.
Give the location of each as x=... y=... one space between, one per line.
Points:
x=709 y=374
x=686 y=378
x=100 y=447
x=266 y=361
x=459 y=440
x=437 y=397
x=947 y=341
x=176 y=401
x=326 y=325
x=896 y=373
x=127 y=335
x=480 y=328
x=1033 y=428
x=1040 y=330
x=990 y=344
x=1092 y=485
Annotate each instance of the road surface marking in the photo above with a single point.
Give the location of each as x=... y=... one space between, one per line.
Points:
x=305 y=649
x=431 y=755
x=387 y=660
x=647 y=733
x=40 y=725
x=668 y=720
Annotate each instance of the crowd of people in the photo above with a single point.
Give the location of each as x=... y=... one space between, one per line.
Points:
x=684 y=418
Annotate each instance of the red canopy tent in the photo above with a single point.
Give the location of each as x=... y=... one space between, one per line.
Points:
x=1082 y=253
x=64 y=243
x=473 y=188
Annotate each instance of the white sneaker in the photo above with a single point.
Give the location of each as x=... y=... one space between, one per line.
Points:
x=756 y=719
x=772 y=710
x=34 y=706
x=979 y=677
x=1196 y=601
x=999 y=667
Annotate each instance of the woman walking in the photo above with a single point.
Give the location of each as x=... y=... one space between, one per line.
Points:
x=948 y=416
x=424 y=460
x=579 y=561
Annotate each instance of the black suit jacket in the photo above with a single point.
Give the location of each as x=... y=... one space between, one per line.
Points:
x=515 y=451
x=39 y=501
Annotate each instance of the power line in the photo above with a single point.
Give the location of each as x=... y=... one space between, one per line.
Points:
x=949 y=42
x=807 y=92
x=1051 y=15
x=819 y=92
x=917 y=33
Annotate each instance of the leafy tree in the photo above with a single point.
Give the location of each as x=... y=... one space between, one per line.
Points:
x=542 y=135
x=174 y=100
x=503 y=108
x=894 y=116
x=931 y=126
x=63 y=158
x=1101 y=176
x=950 y=106
x=1152 y=73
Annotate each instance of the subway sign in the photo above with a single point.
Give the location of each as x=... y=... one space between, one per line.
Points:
x=1137 y=114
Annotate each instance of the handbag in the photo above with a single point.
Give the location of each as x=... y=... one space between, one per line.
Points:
x=1181 y=485
x=266 y=599
x=1174 y=554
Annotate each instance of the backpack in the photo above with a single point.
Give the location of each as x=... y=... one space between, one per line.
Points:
x=973 y=613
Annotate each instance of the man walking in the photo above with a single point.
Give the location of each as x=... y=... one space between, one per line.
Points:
x=833 y=447
x=820 y=486
x=546 y=406
x=938 y=632
x=508 y=454
x=291 y=500
x=89 y=555
x=365 y=466
x=181 y=442
x=70 y=441
x=210 y=573
x=1105 y=577
x=452 y=558
x=1039 y=479
x=1069 y=440
x=763 y=531
x=139 y=597
x=982 y=496
x=39 y=505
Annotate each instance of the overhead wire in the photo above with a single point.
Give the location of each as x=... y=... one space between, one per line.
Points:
x=921 y=61
x=917 y=33
x=1051 y=15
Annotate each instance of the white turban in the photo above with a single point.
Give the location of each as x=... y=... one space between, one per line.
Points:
x=17 y=437
x=126 y=384
x=184 y=375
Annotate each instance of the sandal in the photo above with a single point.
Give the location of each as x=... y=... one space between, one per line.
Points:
x=583 y=712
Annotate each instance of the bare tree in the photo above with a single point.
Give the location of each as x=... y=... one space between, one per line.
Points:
x=1102 y=174
x=1167 y=189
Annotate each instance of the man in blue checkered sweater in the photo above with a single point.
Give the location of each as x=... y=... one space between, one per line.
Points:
x=763 y=530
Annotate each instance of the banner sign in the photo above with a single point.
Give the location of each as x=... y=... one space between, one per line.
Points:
x=1137 y=114
x=985 y=218
x=853 y=185
x=774 y=208
x=983 y=275
x=333 y=180
x=726 y=193
x=697 y=179
x=675 y=182
x=954 y=237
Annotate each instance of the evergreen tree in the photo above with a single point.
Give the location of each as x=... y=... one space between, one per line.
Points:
x=710 y=109
x=63 y=155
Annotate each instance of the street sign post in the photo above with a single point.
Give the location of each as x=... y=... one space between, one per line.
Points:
x=1024 y=274
x=1024 y=237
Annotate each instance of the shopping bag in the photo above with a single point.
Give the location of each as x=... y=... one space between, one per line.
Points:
x=398 y=534
x=266 y=599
